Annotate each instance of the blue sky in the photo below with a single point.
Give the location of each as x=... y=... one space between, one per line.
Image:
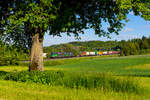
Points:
x=135 y=28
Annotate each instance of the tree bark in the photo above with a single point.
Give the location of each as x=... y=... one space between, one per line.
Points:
x=36 y=53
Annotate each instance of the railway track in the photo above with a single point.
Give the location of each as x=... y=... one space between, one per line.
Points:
x=51 y=59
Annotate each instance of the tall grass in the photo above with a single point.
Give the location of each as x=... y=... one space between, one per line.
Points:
x=10 y=90
x=77 y=81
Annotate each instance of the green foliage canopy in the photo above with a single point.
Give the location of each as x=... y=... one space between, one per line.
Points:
x=21 y=19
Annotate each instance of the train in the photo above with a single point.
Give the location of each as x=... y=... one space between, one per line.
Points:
x=82 y=54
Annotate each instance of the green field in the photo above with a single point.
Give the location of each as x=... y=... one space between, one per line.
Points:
x=91 y=78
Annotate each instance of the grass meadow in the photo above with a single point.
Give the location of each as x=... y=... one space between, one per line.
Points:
x=87 y=78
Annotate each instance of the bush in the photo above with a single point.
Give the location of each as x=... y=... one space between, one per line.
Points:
x=11 y=55
x=45 y=77
x=8 y=61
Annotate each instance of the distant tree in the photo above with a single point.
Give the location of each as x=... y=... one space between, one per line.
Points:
x=133 y=48
x=144 y=38
x=121 y=53
x=144 y=44
x=137 y=45
x=126 y=51
x=148 y=41
x=10 y=55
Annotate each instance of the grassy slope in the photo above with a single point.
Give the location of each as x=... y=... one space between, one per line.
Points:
x=133 y=65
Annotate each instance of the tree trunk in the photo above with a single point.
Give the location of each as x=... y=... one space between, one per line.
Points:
x=36 y=53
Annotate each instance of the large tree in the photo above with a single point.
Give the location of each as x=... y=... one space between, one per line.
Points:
x=24 y=22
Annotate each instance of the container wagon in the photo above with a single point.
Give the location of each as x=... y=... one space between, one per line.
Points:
x=92 y=53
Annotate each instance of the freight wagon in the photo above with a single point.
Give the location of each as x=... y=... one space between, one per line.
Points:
x=82 y=54
x=92 y=53
x=105 y=53
x=99 y=53
x=88 y=53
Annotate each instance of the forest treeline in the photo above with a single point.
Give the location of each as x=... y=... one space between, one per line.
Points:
x=135 y=46
x=11 y=55
x=126 y=48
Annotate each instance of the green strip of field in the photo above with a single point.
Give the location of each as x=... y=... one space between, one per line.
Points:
x=111 y=65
